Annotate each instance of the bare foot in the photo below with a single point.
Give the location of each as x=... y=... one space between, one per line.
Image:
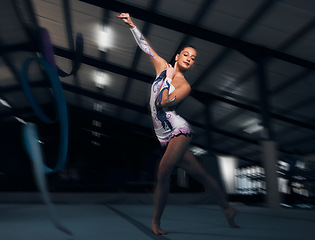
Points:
x=230 y=214
x=157 y=230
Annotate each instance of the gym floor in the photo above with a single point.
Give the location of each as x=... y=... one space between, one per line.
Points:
x=100 y=221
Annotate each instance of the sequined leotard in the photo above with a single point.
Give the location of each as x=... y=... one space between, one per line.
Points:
x=167 y=123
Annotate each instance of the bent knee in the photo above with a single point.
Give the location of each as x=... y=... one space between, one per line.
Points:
x=164 y=173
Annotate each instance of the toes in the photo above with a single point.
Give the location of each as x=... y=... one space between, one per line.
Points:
x=157 y=230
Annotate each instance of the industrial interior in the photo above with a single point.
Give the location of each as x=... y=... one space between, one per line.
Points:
x=72 y=70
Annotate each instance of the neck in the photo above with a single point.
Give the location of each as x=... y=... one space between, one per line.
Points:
x=180 y=72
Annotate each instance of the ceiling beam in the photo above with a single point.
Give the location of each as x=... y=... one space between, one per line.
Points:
x=105 y=65
x=199 y=32
x=144 y=110
x=141 y=109
x=101 y=97
x=108 y=119
x=102 y=64
x=221 y=56
x=202 y=95
x=199 y=15
x=26 y=46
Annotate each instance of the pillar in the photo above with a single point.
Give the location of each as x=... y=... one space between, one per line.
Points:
x=268 y=144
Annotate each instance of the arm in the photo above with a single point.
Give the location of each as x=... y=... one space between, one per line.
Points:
x=178 y=95
x=182 y=90
x=158 y=62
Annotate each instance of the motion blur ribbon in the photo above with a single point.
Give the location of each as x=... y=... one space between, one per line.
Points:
x=30 y=134
x=61 y=107
x=34 y=150
x=48 y=52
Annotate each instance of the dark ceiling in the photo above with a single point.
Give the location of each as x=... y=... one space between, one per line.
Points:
x=253 y=78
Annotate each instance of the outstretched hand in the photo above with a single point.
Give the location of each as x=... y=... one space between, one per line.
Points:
x=127 y=19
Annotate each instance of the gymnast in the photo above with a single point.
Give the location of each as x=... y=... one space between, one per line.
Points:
x=173 y=132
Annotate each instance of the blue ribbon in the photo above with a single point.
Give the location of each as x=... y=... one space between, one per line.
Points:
x=30 y=134
x=60 y=102
x=48 y=52
x=34 y=150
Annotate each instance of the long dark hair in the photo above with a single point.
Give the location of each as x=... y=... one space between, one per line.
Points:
x=179 y=49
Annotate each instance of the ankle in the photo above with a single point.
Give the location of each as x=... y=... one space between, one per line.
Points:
x=155 y=222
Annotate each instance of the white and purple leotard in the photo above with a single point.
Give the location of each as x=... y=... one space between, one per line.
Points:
x=167 y=123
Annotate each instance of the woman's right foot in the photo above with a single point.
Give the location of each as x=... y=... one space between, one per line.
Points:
x=157 y=230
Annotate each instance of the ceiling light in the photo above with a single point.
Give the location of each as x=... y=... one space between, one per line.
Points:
x=97 y=123
x=250 y=122
x=97 y=107
x=252 y=125
x=197 y=151
x=253 y=128
x=20 y=120
x=104 y=38
x=102 y=79
x=96 y=143
x=5 y=103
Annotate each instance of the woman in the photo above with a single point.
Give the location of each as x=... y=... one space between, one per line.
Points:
x=168 y=90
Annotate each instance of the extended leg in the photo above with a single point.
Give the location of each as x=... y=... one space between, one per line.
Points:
x=193 y=167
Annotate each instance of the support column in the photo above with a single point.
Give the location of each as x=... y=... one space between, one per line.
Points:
x=212 y=164
x=268 y=145
x=269 y=153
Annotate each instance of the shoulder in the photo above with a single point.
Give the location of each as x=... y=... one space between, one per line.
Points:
x=181 y=83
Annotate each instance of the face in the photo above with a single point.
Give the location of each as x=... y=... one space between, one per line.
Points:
x=186 y=58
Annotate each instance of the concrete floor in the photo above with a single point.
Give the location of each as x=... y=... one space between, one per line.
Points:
x=27 y=221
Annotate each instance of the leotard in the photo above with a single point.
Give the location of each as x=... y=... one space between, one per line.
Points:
x=167 y=123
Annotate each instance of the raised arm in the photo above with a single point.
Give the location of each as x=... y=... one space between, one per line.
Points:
x=158 y=62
